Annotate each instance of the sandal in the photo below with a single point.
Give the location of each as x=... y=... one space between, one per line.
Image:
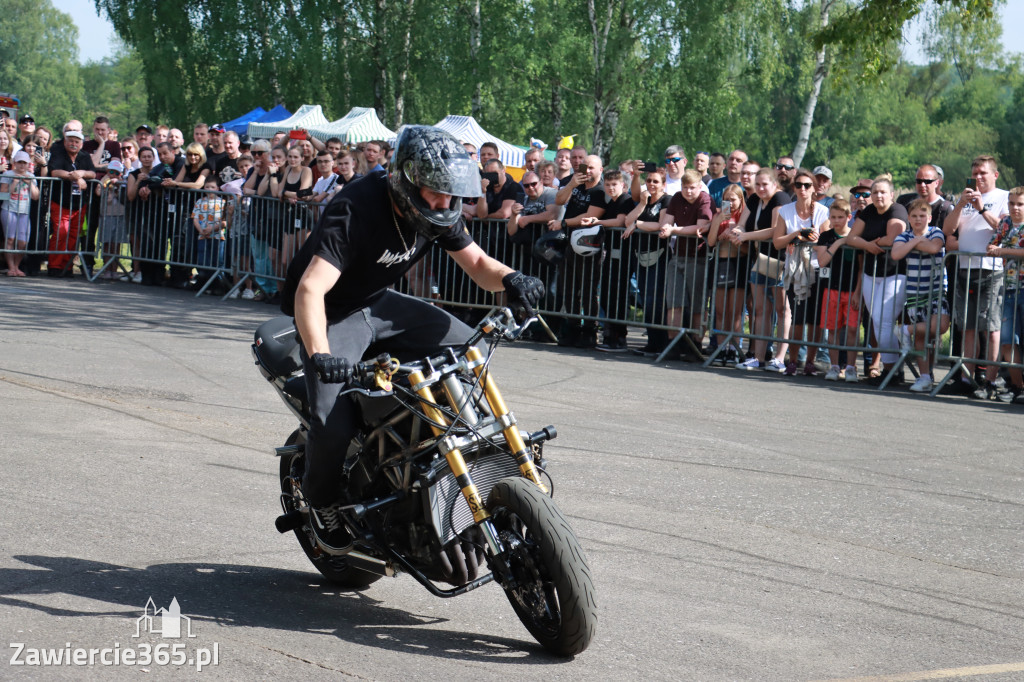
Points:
x=259 y=297
x=874 y=372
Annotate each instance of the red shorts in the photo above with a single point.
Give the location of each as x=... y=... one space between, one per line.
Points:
x=836 y=311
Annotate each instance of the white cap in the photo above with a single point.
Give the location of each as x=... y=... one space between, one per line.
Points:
x=115 y=166
x=21 y=155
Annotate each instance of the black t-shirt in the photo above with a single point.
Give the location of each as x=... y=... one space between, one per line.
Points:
x=357 y=235
x=213 y=158
x=875 y=226
x=111 y=151
x=226 y=170
x=70 y=195
x=940 y=208
x=649 y=246
x=511 y=190
x=579 y=201
x=841 y=273
x=612 y=207
x=763 y=221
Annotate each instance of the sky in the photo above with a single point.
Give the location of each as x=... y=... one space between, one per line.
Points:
x=96 y=35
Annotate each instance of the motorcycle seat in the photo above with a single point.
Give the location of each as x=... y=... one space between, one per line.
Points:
x=296 y=388
x=277 y=344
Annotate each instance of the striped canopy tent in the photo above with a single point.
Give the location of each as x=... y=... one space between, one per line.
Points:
x=360 y=124
x=466 y=129
x=308 y=116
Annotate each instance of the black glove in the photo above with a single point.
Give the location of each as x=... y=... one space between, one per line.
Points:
x=332 y=370
x=523 y=289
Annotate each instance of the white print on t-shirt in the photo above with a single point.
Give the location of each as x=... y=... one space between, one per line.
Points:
x=389 y=259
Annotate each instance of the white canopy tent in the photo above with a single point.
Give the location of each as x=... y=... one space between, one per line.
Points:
x=466 y=129
x=308 y=116
x=360 y=124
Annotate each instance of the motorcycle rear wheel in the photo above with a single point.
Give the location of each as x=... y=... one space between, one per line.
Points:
x=552 y=591
x=335 y=568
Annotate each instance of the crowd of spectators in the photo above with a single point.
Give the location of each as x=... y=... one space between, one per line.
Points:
x=767 y=261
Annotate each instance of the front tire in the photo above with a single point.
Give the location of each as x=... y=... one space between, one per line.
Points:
x=552 y=591
x=335 y=568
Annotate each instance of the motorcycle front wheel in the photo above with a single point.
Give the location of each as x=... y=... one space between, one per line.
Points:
x=551 y=589
x=335 y=568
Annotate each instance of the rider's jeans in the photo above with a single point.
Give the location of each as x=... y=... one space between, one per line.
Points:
x=406 y=327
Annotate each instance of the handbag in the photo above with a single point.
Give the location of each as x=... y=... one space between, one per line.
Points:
x=768 y=266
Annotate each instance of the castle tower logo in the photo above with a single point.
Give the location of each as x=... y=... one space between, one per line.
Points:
x=164 y=622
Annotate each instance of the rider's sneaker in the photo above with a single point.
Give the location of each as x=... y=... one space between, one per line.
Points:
x=328 y=527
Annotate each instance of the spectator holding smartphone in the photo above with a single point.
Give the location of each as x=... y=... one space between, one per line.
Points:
x=797 y=228
x=296 y=183
x=978 y=300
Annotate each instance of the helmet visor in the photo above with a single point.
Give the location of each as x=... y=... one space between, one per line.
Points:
x=458 y=176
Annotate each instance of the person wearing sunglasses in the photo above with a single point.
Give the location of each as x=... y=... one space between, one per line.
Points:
x=675 y=166
x=785 y=173
x=928 y=186
x=796 y=229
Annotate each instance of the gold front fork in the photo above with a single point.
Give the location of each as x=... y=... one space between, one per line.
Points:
x=456 y=462
x=501 y=412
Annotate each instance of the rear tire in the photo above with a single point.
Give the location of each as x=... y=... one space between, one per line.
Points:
x=553 y=593
x=335 y=568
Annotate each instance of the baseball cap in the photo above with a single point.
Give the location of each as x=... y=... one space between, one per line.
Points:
x=244 y=141
x=216 y=128
x=22 y=155
x=863 y=183
x=823 y=170
x=74 y=133
x=144 y=127
x=115 y=166
x=27 y=118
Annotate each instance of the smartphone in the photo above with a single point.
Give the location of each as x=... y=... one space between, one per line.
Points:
x=806 y=233
x=650 y=166
x=304 y=193
x=727 y=206
x=582 y=168
x=297 y=135
x=972 y=183
x=490 y=177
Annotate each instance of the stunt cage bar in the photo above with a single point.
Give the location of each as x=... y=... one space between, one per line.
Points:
x=375 y=379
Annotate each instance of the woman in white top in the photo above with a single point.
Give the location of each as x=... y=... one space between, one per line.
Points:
x=796 y=228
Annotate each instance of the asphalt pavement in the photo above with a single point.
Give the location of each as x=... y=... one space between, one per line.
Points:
x=740 y=526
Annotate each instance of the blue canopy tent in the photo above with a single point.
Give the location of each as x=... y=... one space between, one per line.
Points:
x=278 y=113
x=241 y=124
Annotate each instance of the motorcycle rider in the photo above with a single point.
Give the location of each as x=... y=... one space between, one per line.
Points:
x=337 y=288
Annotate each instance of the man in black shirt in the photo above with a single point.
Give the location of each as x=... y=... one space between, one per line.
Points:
x=371 y=234
x=73 y=167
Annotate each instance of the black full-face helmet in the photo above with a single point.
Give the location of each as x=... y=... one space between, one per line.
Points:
x=429 y=157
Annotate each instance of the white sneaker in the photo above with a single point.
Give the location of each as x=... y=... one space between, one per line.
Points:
x=832 y=374
x=233 y=294
x=248 y=295
x=851 y=374
x=775 y=365
x=750 y=363
x=137 y=277
x=924 y=384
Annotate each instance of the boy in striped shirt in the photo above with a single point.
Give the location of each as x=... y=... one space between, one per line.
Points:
x=925 y=313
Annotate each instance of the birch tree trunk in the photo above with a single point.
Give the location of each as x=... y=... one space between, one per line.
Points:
x=475 y=36
x=820 y=73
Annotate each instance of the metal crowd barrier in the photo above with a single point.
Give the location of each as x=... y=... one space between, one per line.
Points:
x=742 y=301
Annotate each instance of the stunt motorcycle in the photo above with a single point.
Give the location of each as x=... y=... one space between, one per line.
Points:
x=447 y=488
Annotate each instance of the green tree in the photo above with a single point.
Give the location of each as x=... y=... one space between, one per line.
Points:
x=39 y=61
x=115 y=88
